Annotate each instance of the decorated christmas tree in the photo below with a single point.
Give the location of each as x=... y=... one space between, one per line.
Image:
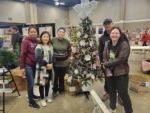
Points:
x=84 y=66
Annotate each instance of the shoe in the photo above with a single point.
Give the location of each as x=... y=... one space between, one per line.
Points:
x=34 y=105
x=48 y=99
x=54 y=95
x=105 y=97
x=43 y=103
x=112 y=110
x=36 y=97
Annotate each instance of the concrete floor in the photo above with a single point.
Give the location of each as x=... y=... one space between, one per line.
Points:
x=71 y=104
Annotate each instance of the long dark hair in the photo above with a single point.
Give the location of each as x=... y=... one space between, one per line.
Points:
x=45 y=32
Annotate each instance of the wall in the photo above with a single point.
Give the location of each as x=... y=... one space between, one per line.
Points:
x=19 y=12
x=51 y=14
x=105 y=9
x=137 y=9
x=13 y=10
x=133 y=10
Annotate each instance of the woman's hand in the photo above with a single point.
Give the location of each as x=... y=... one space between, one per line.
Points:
x=49 y=66
x=22 y=72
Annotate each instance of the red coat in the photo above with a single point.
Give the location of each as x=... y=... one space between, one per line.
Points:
x=27 y=55
x=145 y=37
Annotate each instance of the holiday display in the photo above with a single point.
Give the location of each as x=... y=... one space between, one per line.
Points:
x=84 y=66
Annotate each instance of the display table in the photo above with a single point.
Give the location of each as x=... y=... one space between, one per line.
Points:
x=140 y=47
x=137 y=55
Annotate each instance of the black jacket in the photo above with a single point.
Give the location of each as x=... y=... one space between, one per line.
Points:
x=119 y=65
x=105 y=37
x=16 y=39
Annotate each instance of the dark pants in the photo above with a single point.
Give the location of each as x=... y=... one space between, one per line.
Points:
x=145 y=43
x=119 y=84
x=59 y=79
x=106 y=87
x=30 y=74
x=46 y=87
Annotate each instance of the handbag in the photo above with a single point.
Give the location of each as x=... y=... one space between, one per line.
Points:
x=60 y=55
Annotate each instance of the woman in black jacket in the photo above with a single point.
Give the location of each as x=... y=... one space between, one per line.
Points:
x=116 y=54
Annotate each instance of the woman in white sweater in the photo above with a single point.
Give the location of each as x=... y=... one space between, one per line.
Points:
x=44 y=66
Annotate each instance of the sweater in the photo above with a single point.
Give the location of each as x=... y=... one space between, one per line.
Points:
x=44 y=56
x=64 y=46
x=27 y=55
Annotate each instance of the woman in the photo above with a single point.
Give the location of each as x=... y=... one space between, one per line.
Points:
x=44 y=66
x=145 y=37
x=116 y=56
x=62 y=51
x=27 y=63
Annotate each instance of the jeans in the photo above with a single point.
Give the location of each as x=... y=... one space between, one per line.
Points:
x=30 y=74
x=119 y=84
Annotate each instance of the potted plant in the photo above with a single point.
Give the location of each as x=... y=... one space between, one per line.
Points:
x=8 y=59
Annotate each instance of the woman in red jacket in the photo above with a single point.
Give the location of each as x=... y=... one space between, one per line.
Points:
x=27 y=62
x=145 y=37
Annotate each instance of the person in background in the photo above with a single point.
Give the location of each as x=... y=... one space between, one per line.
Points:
x=108 y=24
x=145 y=37
x=16 y=40
x=44 y=66
x=62 y=51
x=27 y=63
x=117 y=52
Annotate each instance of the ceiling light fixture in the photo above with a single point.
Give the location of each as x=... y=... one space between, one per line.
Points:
x=58 y=2
x=62 y=3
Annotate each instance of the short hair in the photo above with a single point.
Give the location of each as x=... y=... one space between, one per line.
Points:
x=107 y=21
x=61 y=28
x=15 y=28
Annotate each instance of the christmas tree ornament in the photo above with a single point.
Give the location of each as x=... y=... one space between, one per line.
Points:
x=76 y=71
x=85 y=36
x=91 y=43
x=89 y=75
x=87 y=57
x=74 y=50
x=82 y=43
x=78 y=34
